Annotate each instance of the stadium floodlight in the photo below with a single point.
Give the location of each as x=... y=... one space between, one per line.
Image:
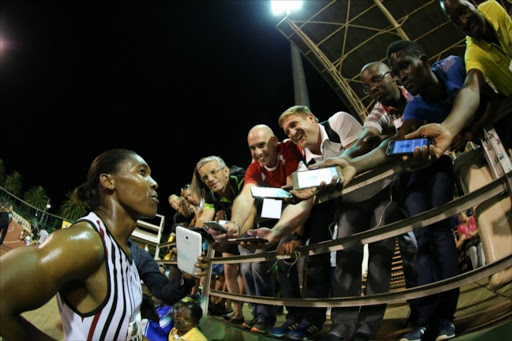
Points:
x=287 y=6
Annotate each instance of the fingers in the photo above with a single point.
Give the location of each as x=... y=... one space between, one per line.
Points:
x=287 y=187
x=435 y=153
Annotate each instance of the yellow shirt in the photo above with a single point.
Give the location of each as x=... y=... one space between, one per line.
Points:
x=193 y=334
x=493 y=59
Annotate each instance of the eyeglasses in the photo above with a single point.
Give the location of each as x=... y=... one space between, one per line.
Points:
x=213 y=172
x=374 y=80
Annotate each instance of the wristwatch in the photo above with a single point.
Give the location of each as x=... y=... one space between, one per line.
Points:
x=296 y=236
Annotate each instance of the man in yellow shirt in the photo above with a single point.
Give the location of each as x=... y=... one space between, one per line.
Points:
x=488 y=60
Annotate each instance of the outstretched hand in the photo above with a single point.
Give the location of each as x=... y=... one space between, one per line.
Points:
x=442 y=138
x=347 y=169
x=262 y=232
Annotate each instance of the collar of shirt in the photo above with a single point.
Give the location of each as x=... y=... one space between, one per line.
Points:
x=390 y=109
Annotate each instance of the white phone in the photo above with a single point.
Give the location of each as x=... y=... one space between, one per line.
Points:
x=270 y=192
x=189 y=247
x=314 y=177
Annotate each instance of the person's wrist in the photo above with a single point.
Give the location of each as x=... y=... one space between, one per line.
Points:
x=296 y=236
x=239 y=228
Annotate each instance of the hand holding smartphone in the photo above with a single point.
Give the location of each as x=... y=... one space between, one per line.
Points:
x=270 y=192
x=215 y=226
x=189 y=247
x=406 y=147
x=248 y=239
x=314 y=177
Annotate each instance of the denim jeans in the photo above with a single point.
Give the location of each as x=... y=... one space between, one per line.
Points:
x=259 y=280
x=437 y=254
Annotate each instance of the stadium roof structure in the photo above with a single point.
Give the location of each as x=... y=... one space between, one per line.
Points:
x=340 y=36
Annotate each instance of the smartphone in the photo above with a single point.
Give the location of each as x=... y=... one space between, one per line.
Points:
x=216 y=226
x=189 y=246
x=314 y=177
x=248 y=239
x=269 y=192
x=406 y=147
x=203 y=232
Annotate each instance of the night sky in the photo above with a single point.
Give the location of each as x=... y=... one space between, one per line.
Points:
x=174 y=81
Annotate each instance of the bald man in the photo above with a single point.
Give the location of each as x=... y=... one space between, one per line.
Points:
x=272 y=166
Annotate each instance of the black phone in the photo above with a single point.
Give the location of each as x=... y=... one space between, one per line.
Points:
x=216 y=226
x=406 y=147
x=202 y=231
x=248 y=239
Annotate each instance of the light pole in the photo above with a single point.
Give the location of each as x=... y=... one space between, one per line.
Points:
x=300 y=89
x=47 y=206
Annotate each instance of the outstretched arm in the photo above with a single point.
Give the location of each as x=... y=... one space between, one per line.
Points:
x=463 y=111
x=32 y=275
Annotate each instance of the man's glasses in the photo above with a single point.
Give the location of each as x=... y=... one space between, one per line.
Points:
x=213 y=172
x=374 y=80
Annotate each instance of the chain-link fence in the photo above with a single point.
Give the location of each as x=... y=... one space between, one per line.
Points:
x=28 y=215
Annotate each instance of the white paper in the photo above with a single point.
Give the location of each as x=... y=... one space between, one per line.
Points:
x=271 y=208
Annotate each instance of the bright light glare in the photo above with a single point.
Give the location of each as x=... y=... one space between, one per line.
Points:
x=280 y=6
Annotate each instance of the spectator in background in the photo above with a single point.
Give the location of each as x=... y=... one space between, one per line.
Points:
x=374 y=206
x=431 y=94
x=222 y=184
x=468 y=240
x=5 y=221
x=157 y=317
x=272 y=166
x=318 y=141
x=488 y=30
x=186 y=323
x=43 y=234
x=184 y=214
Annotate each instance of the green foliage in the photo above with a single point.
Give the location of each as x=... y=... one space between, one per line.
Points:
x=14 y=183
x=73 y=208
x=37 y=197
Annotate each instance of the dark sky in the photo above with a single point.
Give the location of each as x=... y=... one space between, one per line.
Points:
x=173 y=80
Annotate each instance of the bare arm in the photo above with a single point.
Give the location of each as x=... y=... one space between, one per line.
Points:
x=205 y=215
x=32 y=275
x=242 y=207
x=362 y=145
x=460 y=240
x=293 y=216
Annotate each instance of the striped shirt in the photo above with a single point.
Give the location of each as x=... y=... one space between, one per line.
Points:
x=118 y=316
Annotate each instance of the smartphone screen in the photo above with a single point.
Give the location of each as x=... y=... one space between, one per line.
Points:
x=314 y=177
x=269 y=192
x=399 y=147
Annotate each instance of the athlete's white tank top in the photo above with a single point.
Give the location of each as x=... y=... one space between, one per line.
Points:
x=118 y=316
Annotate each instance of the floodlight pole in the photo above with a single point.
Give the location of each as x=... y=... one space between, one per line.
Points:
x=300 y=89
x=47 y=206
